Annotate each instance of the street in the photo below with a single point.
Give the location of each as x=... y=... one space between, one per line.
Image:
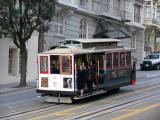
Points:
x=138 y=102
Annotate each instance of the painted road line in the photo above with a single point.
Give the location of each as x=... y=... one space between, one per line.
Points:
x=67 y=112
x=63 y=112
x=98 y=111
x=134 y=112
x=130 y=110
x=134 y=91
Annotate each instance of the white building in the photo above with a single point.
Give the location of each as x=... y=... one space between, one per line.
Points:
x=152 y=26
x=9 y=60
x=122 y=19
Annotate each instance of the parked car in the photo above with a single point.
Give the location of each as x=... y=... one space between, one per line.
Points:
x=152 y=61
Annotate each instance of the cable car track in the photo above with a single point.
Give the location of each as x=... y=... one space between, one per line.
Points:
x=40 y=108
x=106 y=109
x=148 y=83
x=97 y=111
x=35 y=108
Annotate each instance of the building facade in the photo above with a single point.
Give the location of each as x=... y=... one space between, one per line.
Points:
x=10 y=62
x=120 y=19
x=152 y=26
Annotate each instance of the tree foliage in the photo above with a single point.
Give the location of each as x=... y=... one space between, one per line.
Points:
x=20 y=18
x=25 y=16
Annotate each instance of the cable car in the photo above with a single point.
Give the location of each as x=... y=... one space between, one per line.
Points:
x=80 y=68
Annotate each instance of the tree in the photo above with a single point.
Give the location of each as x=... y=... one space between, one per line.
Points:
x=19 y=19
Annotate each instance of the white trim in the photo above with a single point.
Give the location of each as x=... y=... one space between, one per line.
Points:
x=13 y=69
x=83 y=28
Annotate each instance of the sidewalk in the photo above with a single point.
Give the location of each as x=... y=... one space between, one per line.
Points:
x=13 y=87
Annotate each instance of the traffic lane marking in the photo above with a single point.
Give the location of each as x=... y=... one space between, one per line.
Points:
x=60 y=113
x=64 y=112
x=132 y=93
x=135 y=111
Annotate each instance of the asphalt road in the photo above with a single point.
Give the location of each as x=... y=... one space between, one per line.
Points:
x=139 y=102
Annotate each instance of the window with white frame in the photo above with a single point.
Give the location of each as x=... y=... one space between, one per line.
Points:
x=59 y=24
x=137 y=13
x=158 y=13
x=148 y=11
x=83 y=29
x=148 y=2
x=95 y=5
x=83 y=3
x=12 y=59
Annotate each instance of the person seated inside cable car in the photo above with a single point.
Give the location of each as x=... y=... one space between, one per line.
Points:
x=54 y=70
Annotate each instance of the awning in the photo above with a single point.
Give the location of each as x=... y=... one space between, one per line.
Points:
x=107 y=29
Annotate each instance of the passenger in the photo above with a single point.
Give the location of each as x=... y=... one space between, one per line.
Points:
x=85 y=65
x=54 y=70
x=85 y=71
x=80 y=79
x=90 y=79
x=94 y=68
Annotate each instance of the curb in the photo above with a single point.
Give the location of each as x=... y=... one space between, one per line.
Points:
x=12 y=90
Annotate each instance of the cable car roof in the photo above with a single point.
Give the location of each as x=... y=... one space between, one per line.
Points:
x=92 y=40
x=76 y=50
x=77 y=46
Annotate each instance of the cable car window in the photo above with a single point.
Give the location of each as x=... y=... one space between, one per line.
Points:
x=76 y=42
x=115 y=60
x=109 y=61
x=68 y=42
x=128 y=58
x=66 y=65
x=44 y=64
x=54 y=64
x=122 y=59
